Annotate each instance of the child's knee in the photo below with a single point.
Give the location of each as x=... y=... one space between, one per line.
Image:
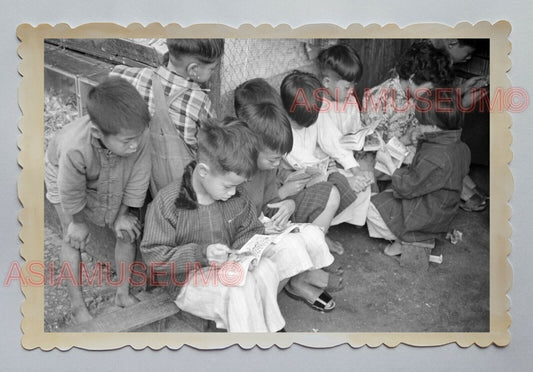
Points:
x=334 y=198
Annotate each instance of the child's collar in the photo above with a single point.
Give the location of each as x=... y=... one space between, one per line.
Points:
x=187 y=196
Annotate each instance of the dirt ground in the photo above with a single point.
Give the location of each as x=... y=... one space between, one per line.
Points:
x=379 y=296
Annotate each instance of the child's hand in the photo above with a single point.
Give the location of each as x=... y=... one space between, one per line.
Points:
x=358 y=183
x=285 y=210
x=293 y=187
x=127 y=227
x=217 y=253
x=78 y=235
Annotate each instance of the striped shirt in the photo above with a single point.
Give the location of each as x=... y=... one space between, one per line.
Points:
x=186 y=111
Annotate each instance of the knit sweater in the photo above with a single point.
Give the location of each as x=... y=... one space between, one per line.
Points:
x=178 y=229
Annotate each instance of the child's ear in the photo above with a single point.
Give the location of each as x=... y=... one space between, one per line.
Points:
x=96 y=132
x=203 y=169
x=192 y=70
x=326 y=82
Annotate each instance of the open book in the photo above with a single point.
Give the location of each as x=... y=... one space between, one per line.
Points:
x=364 y=139
x=314 y=173
x=250 y=253
x=391 y=156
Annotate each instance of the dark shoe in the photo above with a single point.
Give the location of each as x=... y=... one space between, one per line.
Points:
x=323 y=303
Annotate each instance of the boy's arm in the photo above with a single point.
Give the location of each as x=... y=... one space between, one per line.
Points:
x=139 y=180
x=247 y=224
x=271 y=192
x=329 y=137
x=187 y=120
x=414 y=181
x=161 y=242
x=72 y=182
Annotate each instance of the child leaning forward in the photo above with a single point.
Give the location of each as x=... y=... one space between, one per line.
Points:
x=425 y=195
x=195 y=224
x=96 y=169
x=302 y=255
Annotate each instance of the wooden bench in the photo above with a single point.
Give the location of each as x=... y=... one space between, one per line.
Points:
x=153 y=313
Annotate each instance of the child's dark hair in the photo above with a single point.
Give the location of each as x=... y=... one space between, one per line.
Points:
x=228 y=145
x=271 y=125
x=424 y=63
x=205 y=50
x=439 y=107
x=255 y=91
x=301 y=94
x=115 y=104
x=342 y=60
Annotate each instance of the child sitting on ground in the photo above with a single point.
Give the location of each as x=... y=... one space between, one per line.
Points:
x=302 y=99
x=96 y=169
x=425 y=195
x=195 y=224
x=177 y=103
x=270 y=123
x=340 y=68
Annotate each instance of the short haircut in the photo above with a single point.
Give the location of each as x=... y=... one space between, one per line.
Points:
x=423 y=63
x=271 y=125
x=115 y=104
x=228 y=145
x=301 y=94
x=255 y=91
x=205 y=50
x=343 y=60
x=439 y=107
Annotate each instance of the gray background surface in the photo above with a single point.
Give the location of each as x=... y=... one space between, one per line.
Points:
x=517 y=356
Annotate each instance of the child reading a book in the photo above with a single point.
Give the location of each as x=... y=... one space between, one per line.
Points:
x=302 y=96
x=96 y=169
x=268 y=120
x=194 y=225
x=340 y=68
x=425 y=195
x=177 y=103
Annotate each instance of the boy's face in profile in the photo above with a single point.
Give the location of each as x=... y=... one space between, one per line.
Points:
x=459 y=53
x=339 y=89
x=124 y=143
x=219 y=185
x=268 y=159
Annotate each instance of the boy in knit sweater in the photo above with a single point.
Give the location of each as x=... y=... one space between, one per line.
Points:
x=193 y=226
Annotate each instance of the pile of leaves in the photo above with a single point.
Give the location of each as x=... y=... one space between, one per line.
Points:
x=58 y=112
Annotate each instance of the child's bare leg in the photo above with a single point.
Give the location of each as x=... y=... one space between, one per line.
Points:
x=72 y=258
x=124 y=256
x=324 y=219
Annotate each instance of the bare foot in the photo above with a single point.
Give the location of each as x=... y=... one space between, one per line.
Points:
x=81 y=314
x=334 y=246
x=126 y=300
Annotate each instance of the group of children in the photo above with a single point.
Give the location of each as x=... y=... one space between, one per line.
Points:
x=216 y=183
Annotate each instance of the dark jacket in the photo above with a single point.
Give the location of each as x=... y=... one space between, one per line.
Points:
x=426 y=194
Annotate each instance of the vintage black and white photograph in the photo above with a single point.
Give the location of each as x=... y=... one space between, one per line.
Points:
x=267 y=185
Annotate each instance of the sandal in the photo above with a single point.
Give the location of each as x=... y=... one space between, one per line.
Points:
x=394 y=249
x=334 y=283
x=476 y=203
x=323 y=303
x=334 y=268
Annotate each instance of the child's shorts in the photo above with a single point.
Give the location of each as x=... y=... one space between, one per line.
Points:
x=311 y=202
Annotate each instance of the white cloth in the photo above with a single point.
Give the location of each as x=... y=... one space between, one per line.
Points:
x=377 y=228
x=299 y=252
x=252 y=307
x=355 y=213
x=334 y=123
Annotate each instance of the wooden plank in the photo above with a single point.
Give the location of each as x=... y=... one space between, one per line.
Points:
x=151 y=310
x=122 y=51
